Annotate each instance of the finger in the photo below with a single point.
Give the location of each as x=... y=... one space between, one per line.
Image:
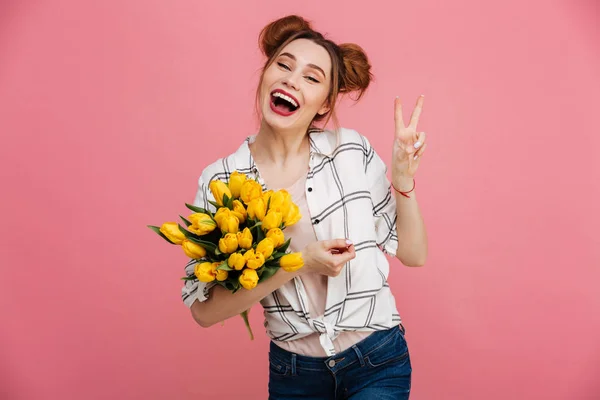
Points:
x=420 y=140
x=342 y=250
x=414 y=118
x=420 y=152
x=398 y=114
x=343 y=258
x=336 y=244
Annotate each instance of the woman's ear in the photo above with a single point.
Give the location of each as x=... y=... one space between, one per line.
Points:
x=324 y=109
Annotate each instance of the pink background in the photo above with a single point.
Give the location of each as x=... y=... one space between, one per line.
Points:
x=107 y=114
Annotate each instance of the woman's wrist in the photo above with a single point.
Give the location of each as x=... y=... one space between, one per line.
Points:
x=403 y=183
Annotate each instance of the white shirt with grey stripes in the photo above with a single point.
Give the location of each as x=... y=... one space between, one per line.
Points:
x=348 y=196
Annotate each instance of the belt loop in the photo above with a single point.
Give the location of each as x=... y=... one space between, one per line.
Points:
x=360 y=356
x=294 y=364
x=402 y=329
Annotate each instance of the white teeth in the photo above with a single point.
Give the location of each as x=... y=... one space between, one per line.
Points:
x=286 y=98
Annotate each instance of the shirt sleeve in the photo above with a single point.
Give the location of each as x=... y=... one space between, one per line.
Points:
x=384 y=202
x=194 y=289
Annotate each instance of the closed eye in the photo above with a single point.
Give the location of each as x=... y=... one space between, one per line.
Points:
x=282 y=65
x=312 y=79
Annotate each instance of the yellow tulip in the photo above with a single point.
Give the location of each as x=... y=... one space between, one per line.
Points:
x=239 y=211
x=257 y=209
x=276 y=235
x=221 y=275
x=272 y=220
x=267 y=195
x=265 y=247
x=291 y=262
x=248 y=279
x=227 y=221
x=245 y=239
x=172 y=232
x=202 y=224
x=236 y=180
x=281 y=201
x=204 y=272
x=229 y=243
x=192 y=250
x=292 y=216
x=218 y=189
x=221 y=213
x=251 y=190
x=236 y=261
x=254 y=260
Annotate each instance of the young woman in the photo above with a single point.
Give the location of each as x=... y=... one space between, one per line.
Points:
x=334 y=328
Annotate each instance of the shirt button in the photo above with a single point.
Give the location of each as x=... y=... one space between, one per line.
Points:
x=331 y=363
x=310 y=189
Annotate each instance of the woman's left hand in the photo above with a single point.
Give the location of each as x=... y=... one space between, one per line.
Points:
x=409 y=146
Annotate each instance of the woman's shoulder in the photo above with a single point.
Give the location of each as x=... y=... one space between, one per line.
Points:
x=332 y=141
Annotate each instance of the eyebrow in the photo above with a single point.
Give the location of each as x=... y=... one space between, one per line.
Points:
x=310 y=65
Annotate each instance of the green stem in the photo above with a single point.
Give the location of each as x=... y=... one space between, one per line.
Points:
x=244 y=315
x=259 y=223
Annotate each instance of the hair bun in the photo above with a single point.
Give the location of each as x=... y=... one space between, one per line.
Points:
x=278 y=31
x=357 y=70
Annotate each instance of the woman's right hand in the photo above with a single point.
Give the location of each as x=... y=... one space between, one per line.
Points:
x=327 y=257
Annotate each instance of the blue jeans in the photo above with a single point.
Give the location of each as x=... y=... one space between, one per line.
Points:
x=378 y=367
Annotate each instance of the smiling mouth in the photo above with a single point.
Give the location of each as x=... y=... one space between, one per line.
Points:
x=283 y=104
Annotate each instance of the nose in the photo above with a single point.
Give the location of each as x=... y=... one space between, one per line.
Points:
x=291 y=80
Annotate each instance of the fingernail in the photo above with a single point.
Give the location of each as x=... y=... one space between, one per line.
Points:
x=417 y=145
x=348 y=242
x=416 y=156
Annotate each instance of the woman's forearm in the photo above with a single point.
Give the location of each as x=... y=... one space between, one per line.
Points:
x=222 y=304
x=410 y=228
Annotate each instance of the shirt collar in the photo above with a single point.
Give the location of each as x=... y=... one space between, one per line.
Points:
x=322 y=142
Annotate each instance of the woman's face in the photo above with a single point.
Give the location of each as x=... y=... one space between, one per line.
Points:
x=296 y=85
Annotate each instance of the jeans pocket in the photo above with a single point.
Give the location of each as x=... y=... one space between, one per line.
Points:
x=278 y=367
x=394 y=350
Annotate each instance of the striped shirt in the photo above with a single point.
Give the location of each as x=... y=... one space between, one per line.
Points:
x=348 y=196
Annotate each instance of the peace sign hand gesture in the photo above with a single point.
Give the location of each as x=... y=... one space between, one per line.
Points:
x=409 y=146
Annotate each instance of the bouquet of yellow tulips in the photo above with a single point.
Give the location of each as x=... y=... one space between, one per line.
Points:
x=242 y=243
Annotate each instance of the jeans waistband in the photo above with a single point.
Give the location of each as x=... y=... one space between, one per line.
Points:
x=340 y=360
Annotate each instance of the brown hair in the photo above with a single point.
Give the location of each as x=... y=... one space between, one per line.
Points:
x=351 y=71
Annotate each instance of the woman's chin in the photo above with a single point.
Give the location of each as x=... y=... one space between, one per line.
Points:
x=278 y=122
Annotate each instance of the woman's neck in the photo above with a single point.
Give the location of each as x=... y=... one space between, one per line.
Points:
x=280 y=148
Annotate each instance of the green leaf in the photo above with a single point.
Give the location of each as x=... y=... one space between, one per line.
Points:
x=214 y=203
x=268 y=204
x=225 y=266
x=208 y=246
x=260 y=235
x=232 y=285
x=226 y=201
x=267 y=273
x=157 y=230
x=187 y=223
x=197 y=209
x=189 y=278
x=283 y=248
